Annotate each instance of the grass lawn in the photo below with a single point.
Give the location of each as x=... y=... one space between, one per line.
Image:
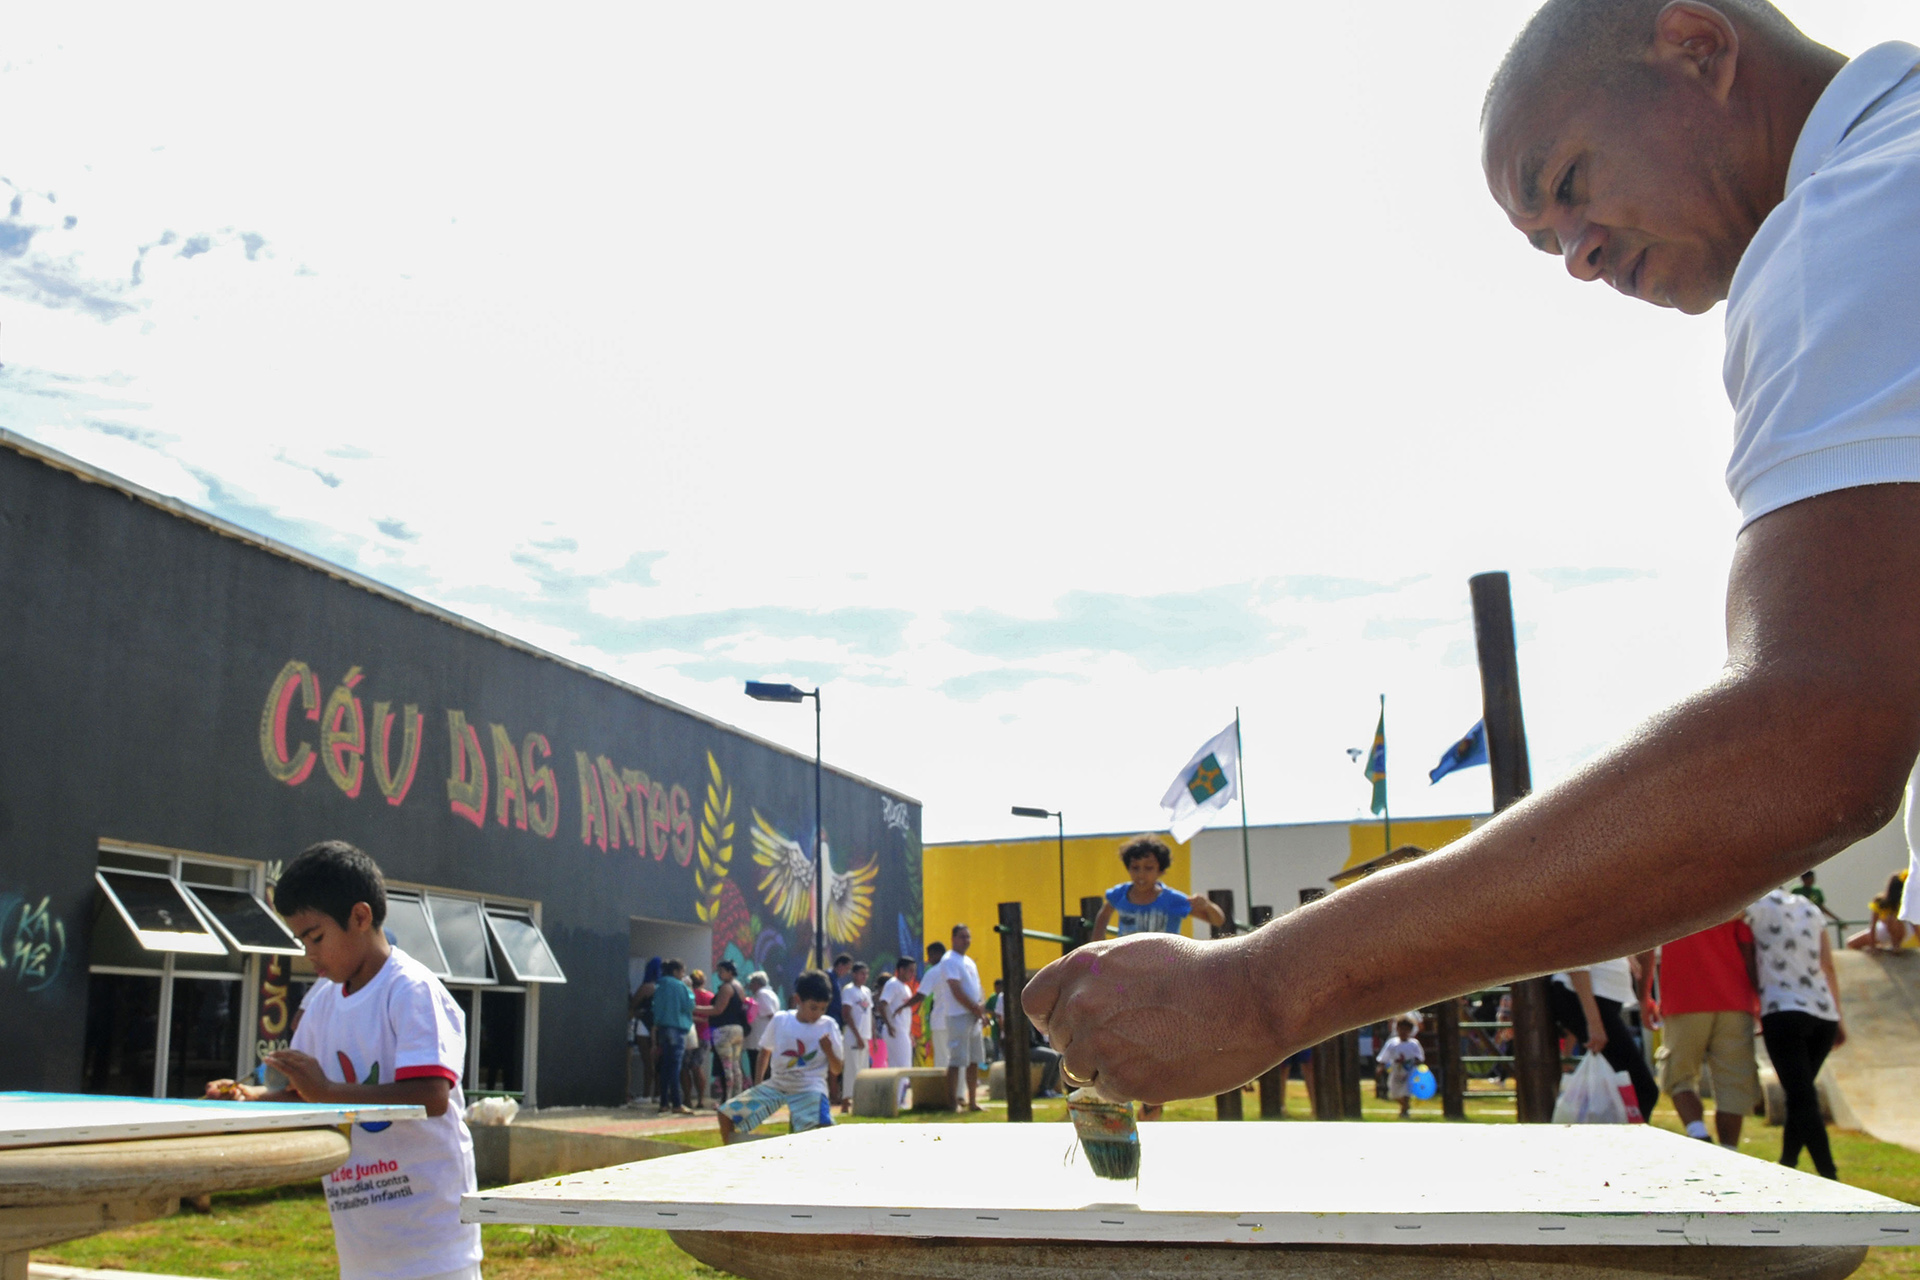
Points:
x=285 y=1233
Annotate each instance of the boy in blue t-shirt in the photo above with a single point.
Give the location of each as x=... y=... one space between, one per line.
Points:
x=1141 y=903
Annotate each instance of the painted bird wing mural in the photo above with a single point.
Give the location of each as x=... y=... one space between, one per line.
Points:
x=786 y=883
x=849 y=898
x=786 y=873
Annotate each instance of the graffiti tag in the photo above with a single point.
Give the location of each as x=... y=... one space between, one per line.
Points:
x=894 y=813
x=33 y=944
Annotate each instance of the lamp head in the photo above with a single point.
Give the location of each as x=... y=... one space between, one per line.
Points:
x=760 y=691
x=1026 y=811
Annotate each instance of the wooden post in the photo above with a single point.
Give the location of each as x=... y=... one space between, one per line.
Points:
x=1223 y=899
x=1090 y=911
x=1273 y=1092
x=1227 y=1106
x=1257 y=916
x=1329 y=1094
x=1536 y=1045
x=1350 y=1074
x=1015 y=1036
x=1453 y=1079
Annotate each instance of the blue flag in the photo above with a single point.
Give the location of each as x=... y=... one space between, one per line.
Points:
x=1464 y=754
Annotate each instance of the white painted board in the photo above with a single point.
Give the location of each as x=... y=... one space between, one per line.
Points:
x=1239 y=1183
x=47 y=1119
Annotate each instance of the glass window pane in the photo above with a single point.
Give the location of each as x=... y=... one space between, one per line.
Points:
x=527 y=953
x=502 y=1041
x=409 y=929
x=204 y=1043
x=463 y=938
x=223 y=874
x=123 y=1018
x=158 y=863
x=114 y=944
x=159 y=913
x=248 y=923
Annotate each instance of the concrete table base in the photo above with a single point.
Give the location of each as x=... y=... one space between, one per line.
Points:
x=55 y=1193
x=786 y=1256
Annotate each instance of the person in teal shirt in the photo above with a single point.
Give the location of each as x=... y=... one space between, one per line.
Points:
x=672 y=1021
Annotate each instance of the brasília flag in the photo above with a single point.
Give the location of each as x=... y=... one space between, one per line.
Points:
x=1204 y=785
x=1464 y=754
x=1377 y=763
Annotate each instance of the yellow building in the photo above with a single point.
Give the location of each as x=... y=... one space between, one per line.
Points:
x=966 y=883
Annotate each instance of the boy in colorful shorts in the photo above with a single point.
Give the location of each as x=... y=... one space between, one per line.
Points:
x=801 y=1047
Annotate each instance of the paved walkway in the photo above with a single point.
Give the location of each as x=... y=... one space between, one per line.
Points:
x=1878 y=1068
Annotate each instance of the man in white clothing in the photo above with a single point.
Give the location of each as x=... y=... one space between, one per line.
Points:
x=893 y=1013
x=960 y=1017
x=857 y=1002
x=1685 y=153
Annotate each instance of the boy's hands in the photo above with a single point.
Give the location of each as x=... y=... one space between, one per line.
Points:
x=234 y=1091
x=303 y=1074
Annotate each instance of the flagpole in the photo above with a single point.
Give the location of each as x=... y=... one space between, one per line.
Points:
x=1240 y=784
x=1386 y=808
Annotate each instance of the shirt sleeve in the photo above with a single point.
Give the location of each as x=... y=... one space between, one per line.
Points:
x=1742 y=931
x=429 y=1037
x=1820 y=361
x=1178 y=905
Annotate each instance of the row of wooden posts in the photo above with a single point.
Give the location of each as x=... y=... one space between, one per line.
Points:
x=1337 y=1067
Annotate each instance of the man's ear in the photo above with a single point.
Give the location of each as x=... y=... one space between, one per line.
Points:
x=360 y=918
x=1700 y=42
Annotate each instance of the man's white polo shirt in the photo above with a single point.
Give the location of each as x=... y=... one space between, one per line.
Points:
x=1823 y=316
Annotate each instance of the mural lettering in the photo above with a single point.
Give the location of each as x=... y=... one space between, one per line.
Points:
x=343 y=736
x=542 y=822
x=467 y=784
x=294 y=678
x=395 y=782
x=33 y=943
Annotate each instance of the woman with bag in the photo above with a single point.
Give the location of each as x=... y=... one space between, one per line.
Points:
x=1586 y=1004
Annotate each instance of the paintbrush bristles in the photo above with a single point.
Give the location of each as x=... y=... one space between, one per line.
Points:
x=1107 y=1134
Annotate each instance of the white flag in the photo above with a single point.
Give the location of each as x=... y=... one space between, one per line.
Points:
x=1205 y=786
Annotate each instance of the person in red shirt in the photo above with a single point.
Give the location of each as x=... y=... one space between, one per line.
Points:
x=1708 y=996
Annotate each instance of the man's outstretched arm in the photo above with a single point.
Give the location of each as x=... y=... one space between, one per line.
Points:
x=1800 y=748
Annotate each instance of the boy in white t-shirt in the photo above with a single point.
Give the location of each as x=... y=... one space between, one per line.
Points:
x=377 y=1028
x=894 y=1013
x=801 y=1047
x=857 y=1001
x=1402 y=1050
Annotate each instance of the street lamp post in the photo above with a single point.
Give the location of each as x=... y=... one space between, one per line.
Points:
x=1024 y=811
x=760 y=691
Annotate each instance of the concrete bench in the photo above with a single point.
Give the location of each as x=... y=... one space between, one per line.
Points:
x=876 y=1091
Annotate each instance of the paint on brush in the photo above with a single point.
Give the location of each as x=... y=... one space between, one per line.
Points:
x=1107 y=1134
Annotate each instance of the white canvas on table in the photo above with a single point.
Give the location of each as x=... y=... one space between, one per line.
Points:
x=47 y=1119
x=1248 y=1184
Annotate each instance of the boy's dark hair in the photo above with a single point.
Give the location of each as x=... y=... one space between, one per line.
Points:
x=860 y=966
x=330 y=877
x=673 y=966
x=1146 y=847
x=935 y=950
x=842 y=958
x=813 y=985
x=903 y=962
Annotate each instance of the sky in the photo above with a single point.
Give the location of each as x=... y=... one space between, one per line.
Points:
x=1043 y=382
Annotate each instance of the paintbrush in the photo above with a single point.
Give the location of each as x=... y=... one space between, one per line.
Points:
x=1107 y=1134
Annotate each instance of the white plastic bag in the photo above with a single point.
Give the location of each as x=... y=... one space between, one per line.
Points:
x=1590 y=1095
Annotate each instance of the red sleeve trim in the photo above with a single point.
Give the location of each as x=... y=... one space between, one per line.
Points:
x=432 y=1070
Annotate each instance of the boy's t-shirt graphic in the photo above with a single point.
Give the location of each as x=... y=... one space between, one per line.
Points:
x=799 y=1063
x=395 y=1204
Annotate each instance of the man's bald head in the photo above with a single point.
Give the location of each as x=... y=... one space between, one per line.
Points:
x=1601 y=45
x=1644 y=141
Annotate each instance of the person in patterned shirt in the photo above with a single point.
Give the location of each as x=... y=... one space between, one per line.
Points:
x=1799 y=1014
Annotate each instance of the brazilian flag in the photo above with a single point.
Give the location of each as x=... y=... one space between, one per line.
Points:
x=1377 y=762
